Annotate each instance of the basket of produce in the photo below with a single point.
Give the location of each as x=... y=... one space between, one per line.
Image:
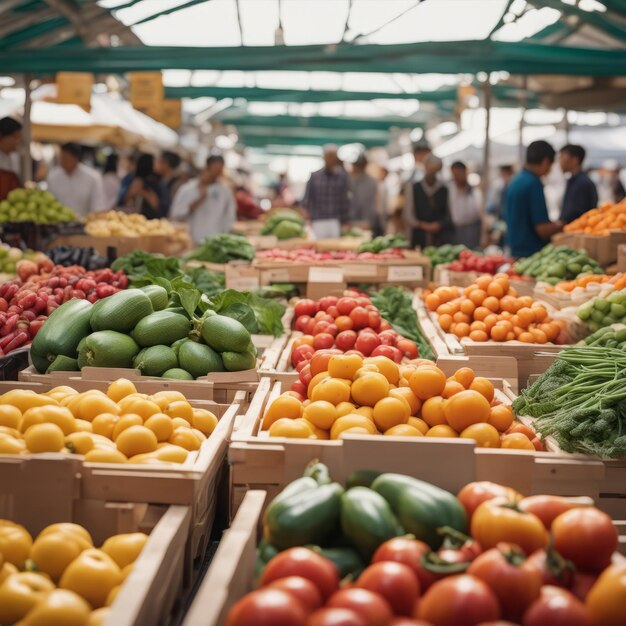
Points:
x=443 y=255
x=34 y=206
x=576 y=292
x=411 y=552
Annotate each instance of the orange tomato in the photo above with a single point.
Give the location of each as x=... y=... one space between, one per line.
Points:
x=344 y=365
x=466 y=408
x=485 y=435
x=465 y=376
x=344 y=322
x=509 y=304
x=432 y=301
x=333 y=390
x=526 y=316
x=501 y=417
x=484 y=386
x=418 y=423
x=291 y=428
x=305 y=340
x=426 y=382
x=483 y=282
x=477 y=296
x=403 y=430
x=495 y=289
x=467 y=307
x=369 y=389
x=492 y=303
x=461 y=330
x=481 y=313
x=283 y=406
x=526 y=337
x=320 y=414
x=499 y=332
x=516 y=441
x=478 y=335
x=406 y=394
x=445 y=321
x=452 y=387
x=351 y=420
x=432 y=411
x=388 y=368
x=390 y=412
x=441 y=430
x=518 y=427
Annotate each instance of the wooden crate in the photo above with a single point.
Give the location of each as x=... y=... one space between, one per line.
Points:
x=602 y=248
x=232 y=571
x=54 y=479
x=260 y=462
x=443 y=276
x=621 y=258
x=121 y=245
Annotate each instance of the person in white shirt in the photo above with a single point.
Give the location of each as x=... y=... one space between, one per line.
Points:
x=205 y=203
x=465 y=207
x=74 y=184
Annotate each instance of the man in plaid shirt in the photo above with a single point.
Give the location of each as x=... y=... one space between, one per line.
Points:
x=327 y=197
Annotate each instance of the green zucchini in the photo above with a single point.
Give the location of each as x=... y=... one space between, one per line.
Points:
x=238 y=361
x=107 y=348
x=158 y=296
x=367 y=520
x=225 y=334
x=198 y=359
x=155 y=360
x=121 y=311
x=161 y=328
x=177 y=373
x=63 y=364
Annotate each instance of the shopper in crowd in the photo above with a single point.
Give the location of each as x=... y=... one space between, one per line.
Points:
x=327 y=196
x=167 y=166
x=140 y=192
x=430 y=222
x=497 y=192
x=111 y=181
x=363 y=190
x=10 y=140
x=247 y=207
x=528 y=226
x=581 y=194
x=205 y=203
x=381 y=215
x=465 y=207
x=421 y=151
x=74 y=184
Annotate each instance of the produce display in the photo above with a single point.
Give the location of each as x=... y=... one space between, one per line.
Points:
x=222 y=249
x=27 y=301
x=308 y=255
x=346 y=393
x=469 y=261
x=586 y=285
x=10 y=257
x=67 y=580
x=580 y=401
x=391 y=550
x=490 y=309
x=554 y=264
x=34 y=205
x=600 y=221
x=604 y=310
x=118 y=223
x=378 y=244
x=443 y=255
x=613 y=336
x=284 y=224
x=120 y=426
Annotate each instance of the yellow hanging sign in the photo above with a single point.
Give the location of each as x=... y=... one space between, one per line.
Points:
x=146 y=89
x=74 y=88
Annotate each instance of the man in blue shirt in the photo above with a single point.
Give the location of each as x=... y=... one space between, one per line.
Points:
x=580 y=192
x=528 y=226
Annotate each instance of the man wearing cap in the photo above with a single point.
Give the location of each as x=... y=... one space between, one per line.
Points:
x=327 y=198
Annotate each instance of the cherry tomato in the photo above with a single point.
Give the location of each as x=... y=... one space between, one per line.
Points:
x=326 y=302
x=302 y=353
x=395 y=582
x=302 y=589
x=302 y=322
x=408 y=552
x=306 y=563
x=408 y=348
x=474 y=494
x=459 y=601
x=370 y=606
x=360 y=317
x=605 y=601
x=336 y=617
x=554 y=569
x=556 y=607
x=515 y=582
x=367 y=343
x=548 y=508
x=586 y=536
x=345 y=305
x=267 y=607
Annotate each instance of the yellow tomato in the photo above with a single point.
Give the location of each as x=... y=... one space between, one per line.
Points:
x=333 y=390
x=83 y=426
x=20 y=593
x=25 y=399
x=205 y=421
x=172 y=454
x=98 y=617
x=120 y=388
x=320 y=414
x=343 y=408
x=390 y=412
x=104 y=455
x=418 y=423
x=59 y=607
x=11 y=445
x=53 y=552
x=11 y=432
x=92 y=575
x=126 y=421
x=368 y=389
x=282 y=407
x=293 y=429
x=351 y=420
x=344 y=365
x=163 y=398
x=184 y=438
x=442 y=430
x=136 y=440
x=79 y=443
x=125 y=402
x=76 y=531
x=366 y=411
x=15 y=542
x=179 y=408
x=318 y=433
x=485 y=435
x=143 y=407
x=112 y=595
x=403 y=430
x=124 y=549
x=93 y=405
x=388 y=368
x=44 y=438
x=516 y=441
x=179 y=422
x=161 y=425
x=432 y=411
x=7 y=569
x=10 y=416
x=59 y=415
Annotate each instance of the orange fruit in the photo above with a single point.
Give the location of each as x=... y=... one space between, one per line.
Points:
x=483 y=282
x=441 y=430
x=432 y=411
x=418 y=423
x=388 y=368
x=480 y=313
x=526 y=337
x=485 y=435
x=495 y=289
x=351 y=421
x=292 y=429
x=498 y=332
x=403 y=430
x=477 y=296
x=445 y=321
x=318 y=433
x=526 y=316
x=320 y=414
x=492 y=303
x=432 y=301
x=390 y=412
x=467 y=307
x=478 y=335
x=426 y=382
x=484 y=386
x=466 y=408
x=367 y=411
x=501 y=417
x=283 y=406
x=368 y=389
x=516 y=441
x=452 y=387
x=459 y=318
x=406 y=394
x=343 y=408
x=462 y=330
x=539 y=335
x=465 y=376
x=333 y=390
x=344 y=365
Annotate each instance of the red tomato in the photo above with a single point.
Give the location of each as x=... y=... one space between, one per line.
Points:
x=302 y=353
x=405 y=621
x=332 y=329
x=408 y=348
x=410 y=553
x=332 y=311
x=384 y=325
x=582 y=584
x=319 y=361
x=388 y=337
x=323 y=341
x=305 y=307
x=267 y=607
x=370 y=606
x=515 y=583
x=302 y=322
x=367 y=343
x=345 y=305
x=360 y=317
x=363 y=301
x=305 y=374
x=373 y=319
x=390 y=352
x=586 y=536
x=299 y=387
x=556 y=607
x=326 y=302
x=395 y=582
x=474 y=494
x=336 y=617
x=320 y=327
x=554 y=568
x=548 y=508
x=301 y=366
x=302 y=589
x=459 y=601
x=305 y=563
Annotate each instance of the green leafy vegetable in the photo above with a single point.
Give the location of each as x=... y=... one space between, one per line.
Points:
x=378 y=244
x=138 y=265
x=222 y=249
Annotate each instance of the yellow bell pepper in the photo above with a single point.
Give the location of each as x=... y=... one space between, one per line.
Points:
x=15 y=542
x=124 y=549
x=20 y=593
x=58 y=607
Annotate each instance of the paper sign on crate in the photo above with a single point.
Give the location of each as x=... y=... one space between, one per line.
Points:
x=399 y=273
x=242 y=278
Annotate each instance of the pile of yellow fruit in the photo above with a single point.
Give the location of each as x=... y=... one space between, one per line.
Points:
x=127 y=225
x=375 y=395
x=65 y=579
x=120 y=426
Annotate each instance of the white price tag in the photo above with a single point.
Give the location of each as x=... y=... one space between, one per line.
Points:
x=361 y=270
x=444 y=277
x=325 y=275
x=405 y=273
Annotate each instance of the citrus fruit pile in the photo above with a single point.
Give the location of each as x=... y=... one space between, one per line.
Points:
x=120 y=426
x=375 y=396
x=490 y=309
